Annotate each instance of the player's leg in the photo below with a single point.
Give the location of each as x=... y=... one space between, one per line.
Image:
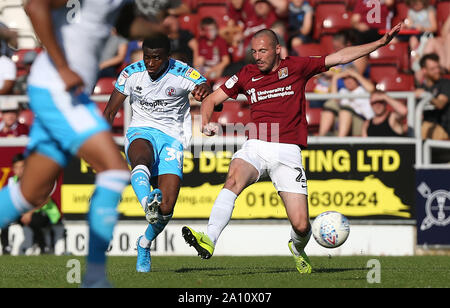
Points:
x=291 y=184
x=169 y=184
x=168 y=173
x=32 y=191
x=141 y=156
x=101 y=152
x=241 y=174
x=297 y=211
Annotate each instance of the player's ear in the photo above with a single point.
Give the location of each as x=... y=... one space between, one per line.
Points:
x=278 y=49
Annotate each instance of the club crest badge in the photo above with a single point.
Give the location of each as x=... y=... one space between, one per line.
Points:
x=283 y=73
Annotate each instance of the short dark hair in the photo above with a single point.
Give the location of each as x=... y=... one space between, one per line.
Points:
x=157 y=40
x=270 y=33
x=430 y=56
x=18 y=157
x=208 y=21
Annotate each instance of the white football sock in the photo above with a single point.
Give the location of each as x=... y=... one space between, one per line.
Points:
x=221 y=214
x=299 y=242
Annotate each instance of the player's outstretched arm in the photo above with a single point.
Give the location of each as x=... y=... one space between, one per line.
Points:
x=201 y=91
x=39 y=12
x=352 y=53
x=115 y=102
x=207 y=108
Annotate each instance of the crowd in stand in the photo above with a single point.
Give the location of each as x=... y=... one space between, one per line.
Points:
x=214 y=36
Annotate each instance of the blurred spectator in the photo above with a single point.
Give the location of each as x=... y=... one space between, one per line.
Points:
x=181 y=7
x=281 y=31
x=8 y=40
x=20 y=86
x=36 y=220
x=441 y=46
x=263 y=17
x=113 y=55
x=342 y=39
x=9 y=126
x=182 y=42
x=212 y=50
x=436 y=123
x=367 y=19
x=8 y=73
x=134 y=47
x=386 y=122
x=351 y=113
x=301 y=15
x=421 y=17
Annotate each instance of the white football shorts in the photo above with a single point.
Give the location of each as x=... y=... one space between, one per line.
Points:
x=281 y=161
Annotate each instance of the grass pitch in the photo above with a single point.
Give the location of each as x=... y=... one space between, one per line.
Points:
x=234 y=272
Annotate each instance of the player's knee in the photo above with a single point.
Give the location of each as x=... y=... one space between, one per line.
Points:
x=302 y=227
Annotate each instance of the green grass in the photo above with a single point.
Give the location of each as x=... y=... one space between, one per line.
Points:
x=234 y=272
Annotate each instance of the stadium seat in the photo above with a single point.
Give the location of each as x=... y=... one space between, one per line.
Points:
x=218 y=12
x=189 y=22
x=400 y=13
x=442 y=13
x=233 y=113
x=118 y=122
x=311 y=49
x=104 y=86
x=311 y=84
x=395 y=54
x=327 y=42
x=26 y=117
x=387 y=79
x=330 y=18
x=313 y=118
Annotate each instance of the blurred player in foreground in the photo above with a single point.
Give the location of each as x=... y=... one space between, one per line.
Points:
x=160 y=130
x=67 y=123
x=275 y=88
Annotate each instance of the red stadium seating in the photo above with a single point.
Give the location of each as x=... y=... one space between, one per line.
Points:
x=330 y=18
x=311 y=49
x=189 y=23
x=26 y=117
x=118 y=122
x=313 y=118
x=401 y=12
x=104 y=86
x=389 y=79
x=233 y=113
x=218 y=12
x=442 y=13
x=311 y=84
x=395 y=54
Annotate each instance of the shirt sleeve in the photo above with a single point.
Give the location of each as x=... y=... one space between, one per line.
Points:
x=124 y=83
x=192 y=78
x=310 y=66
x=232 y=87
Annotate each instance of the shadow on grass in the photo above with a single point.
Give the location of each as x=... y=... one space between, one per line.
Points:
x=238 y=271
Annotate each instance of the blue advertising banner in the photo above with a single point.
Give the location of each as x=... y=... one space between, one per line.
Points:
x=433 y=206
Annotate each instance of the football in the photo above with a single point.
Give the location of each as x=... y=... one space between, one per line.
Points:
x=330 y=229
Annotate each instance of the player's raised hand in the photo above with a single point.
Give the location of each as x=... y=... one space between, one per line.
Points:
x=387 y=38
x=210 y=129
x=71 y=79
x=201 y=91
